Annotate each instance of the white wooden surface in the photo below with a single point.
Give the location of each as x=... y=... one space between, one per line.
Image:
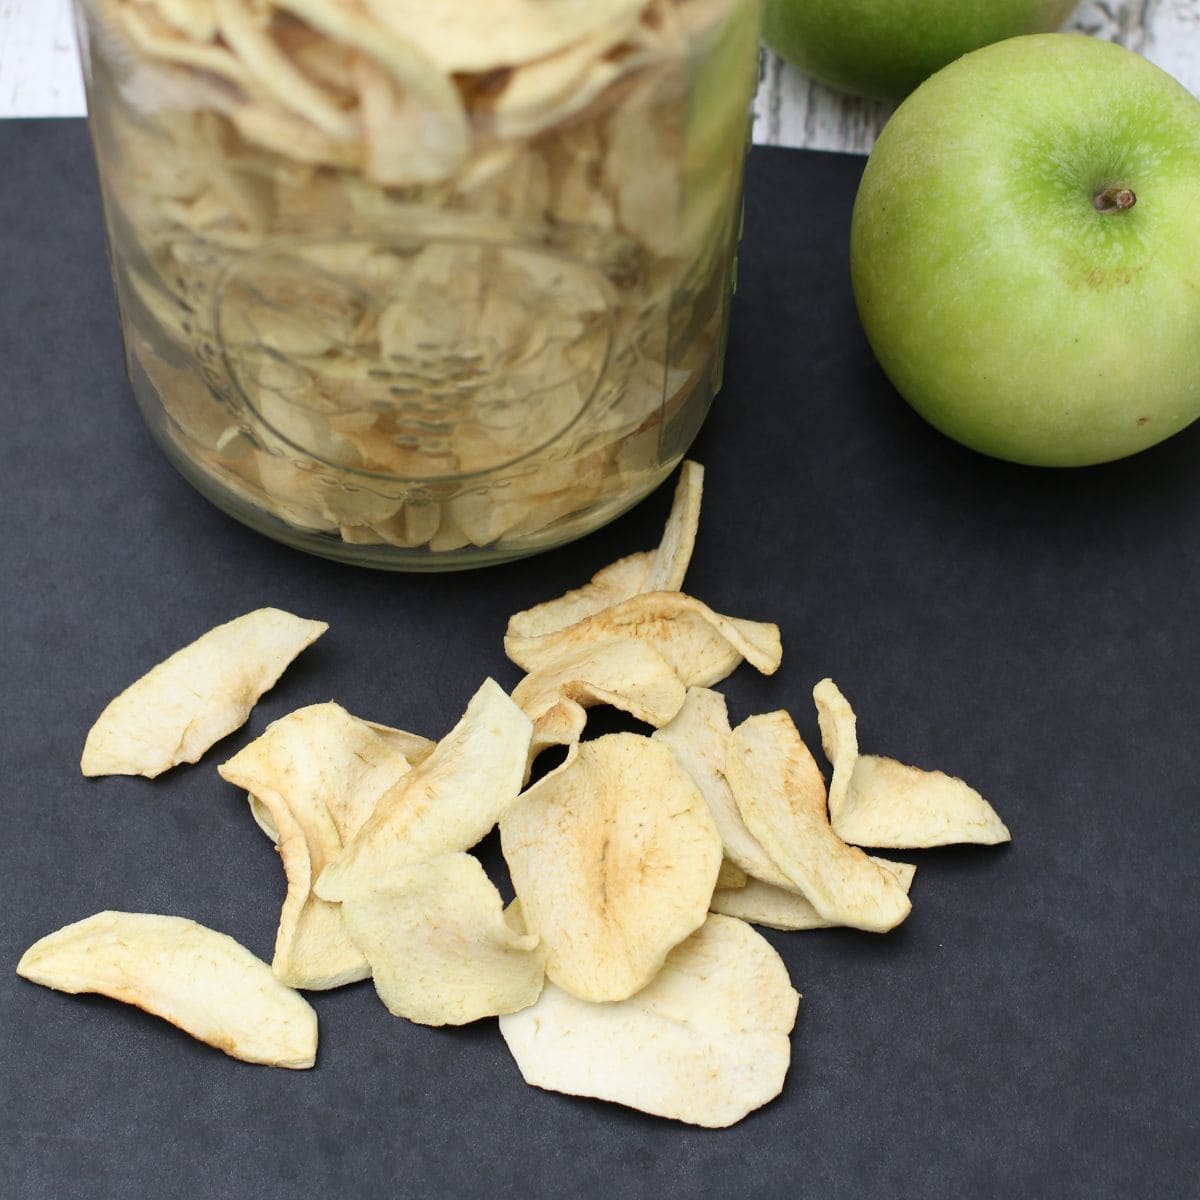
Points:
x=39 y=75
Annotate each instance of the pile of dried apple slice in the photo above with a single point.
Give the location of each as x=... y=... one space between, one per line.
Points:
x=625 y=968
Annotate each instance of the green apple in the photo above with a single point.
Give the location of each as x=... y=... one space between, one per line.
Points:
x=884 y=48
x=1025 y=251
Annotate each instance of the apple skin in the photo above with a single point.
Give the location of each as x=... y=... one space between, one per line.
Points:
x=884 y=48
x=1003 y=306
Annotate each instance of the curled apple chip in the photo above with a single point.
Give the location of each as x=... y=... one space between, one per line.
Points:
x=659 y=570
x=345 y=23
x=706 y=1041
x=622 y=672
x=879 y=802
x=889 y=804
x=276 y=76
x=781 y=796
x=318 y=773
x=562 y=724
x=614 y=857
x=198 y=979
x=159 y=41
x=516 y=31
x=702 y=646
x=415 y=747
x=698 y=735
x=449 y=802
x=777 y=908
x=202 y=693
x=411 y=746
x=839 y=738
x=440 y=950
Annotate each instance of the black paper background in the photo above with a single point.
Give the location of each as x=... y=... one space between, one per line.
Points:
x=1031 y=1031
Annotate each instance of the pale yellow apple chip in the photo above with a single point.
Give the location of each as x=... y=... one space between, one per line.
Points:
x=156 y=38
x=195 y=18
x=412 y=746
x=670 y=560
x=562 y=724
x=198 y=979
x=344 y=22
x=889 y=804
x=199 y=695
x=730 y=877
x=698 y=736
x=781 y=795
x=454 y=34
x=706 y=1041
x=440 y=950
x=839 y=738
x=660 y=570
x=610 y=585
x=777 y=908
x=449 y=802
x=622 y=672
x=701 y=646
x=319 y=773
x=275 y=73
x=614 y=857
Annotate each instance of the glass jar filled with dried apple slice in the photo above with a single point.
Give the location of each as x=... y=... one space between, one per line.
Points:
x=422 y=285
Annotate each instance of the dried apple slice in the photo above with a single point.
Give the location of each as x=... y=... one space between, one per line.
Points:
x=702 y=646
x=195 y=18
x=777 y=908
x=621 y=672
x=839 y=738
x=318 y=773
x=610 y=585
x=446 y=136
x=730 y=877
x=561 y=724
x=448 y=803
x=698 y=735
x=274 y=73
x=412 y=746
x=891 y=805
x=440 y=950
x=705 y=1042
x=202 y=693
x=659 y=570
x=614 y=856
x=781 y=796
x=516 y=31
x=159 y=40
x=427 y=141
x=198 y=979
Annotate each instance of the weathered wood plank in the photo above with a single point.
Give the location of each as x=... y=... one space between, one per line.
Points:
x=792 y=110
x=39 y=70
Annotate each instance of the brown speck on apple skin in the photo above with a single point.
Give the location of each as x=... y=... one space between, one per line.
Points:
x=1142 y=420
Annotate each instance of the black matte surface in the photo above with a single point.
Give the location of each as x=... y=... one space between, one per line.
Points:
x=1032 y=1031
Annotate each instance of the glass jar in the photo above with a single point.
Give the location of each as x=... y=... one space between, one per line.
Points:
x=422 y=285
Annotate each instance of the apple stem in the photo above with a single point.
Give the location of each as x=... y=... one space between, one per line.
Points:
x=1114 y=199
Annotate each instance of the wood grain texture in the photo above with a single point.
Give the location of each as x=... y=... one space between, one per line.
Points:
x=792 y=110
x=39 y=69
x=39 y=74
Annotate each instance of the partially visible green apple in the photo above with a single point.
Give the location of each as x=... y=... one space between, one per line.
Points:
x=884 y=48
x=1025 y=251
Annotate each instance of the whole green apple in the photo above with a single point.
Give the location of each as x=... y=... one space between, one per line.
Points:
x=1025 y=251
x=884 y=48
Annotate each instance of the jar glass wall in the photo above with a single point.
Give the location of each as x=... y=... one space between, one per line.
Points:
x=410 y=288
